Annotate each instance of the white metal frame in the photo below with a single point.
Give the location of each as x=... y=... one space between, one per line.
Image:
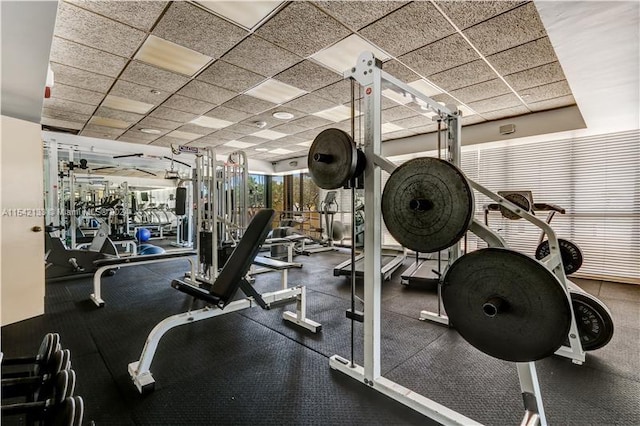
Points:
x=368 y=73
x=140 y=370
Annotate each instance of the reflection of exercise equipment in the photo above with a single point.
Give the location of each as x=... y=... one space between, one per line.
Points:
x=570 y=252
x=63 y=263
x=219 y=294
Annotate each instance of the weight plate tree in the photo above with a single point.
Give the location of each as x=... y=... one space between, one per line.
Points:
x=569 y=252
x=595 y=324
x=333 y=159
x=427 y=204
x=506 y=304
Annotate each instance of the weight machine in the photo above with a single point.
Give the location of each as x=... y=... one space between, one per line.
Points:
x=500 y=323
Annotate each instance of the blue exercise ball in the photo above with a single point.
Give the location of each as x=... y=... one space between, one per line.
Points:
x=143 y=234
x=146 y=249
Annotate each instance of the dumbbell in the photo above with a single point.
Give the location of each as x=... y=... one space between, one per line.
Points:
x=50 y=344
x=34 y=388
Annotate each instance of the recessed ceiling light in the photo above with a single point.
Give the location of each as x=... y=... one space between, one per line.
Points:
x=239 y=144
x=307 y=143
x=425 y=87
x=282 y=115
x=210 y=122
x=280 y=151
x=170 y=56
x=338 y=113
x=155 y=91
x=184 y=135
x=248 y=14
x=124 y=104
x=269 y=134
x=275 y=91
x=151 y=131
x=109 y=122
x=344 y=54
x=262 y=149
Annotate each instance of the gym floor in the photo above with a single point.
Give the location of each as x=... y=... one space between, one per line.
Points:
x=252 y=368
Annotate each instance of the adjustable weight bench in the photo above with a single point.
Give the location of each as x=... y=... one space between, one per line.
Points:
x=219 y=296
x=107 y=264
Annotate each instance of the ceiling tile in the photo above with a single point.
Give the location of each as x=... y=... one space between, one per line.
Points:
x=228 y=114
x=70 y=93
x=138 y=14
x=65 y=115
x=308 y=75
x=338 y=93
x=138 y=135
x=260 y=56
x=412 y=26
x=247 y=14
x=552 y=103
x=83 y=57
x=538 y=76
x=310 y=104
x=344 y=54
x=357 y=14
x=147 y=75
x=242 y=129
x=505 y=113
x=289 y=128
x=400 y=71
x=98 y=135
x=206 y=92
x=124 y=104
x=211 y=122
x=484 y=90
x=225 y=135
x=129 y=117
x=133 y=139
x=168 y=141
x=197 y=29
x=137 y=92
x=249 y=104
x=156 y=123
x=399 y=134
x=425 y=129
x=413 y=122
x=311 y=122
x=103 y=130
x=546 y=91
x=63 y=124
x=525 y=56
x=472 y=119
x=397 y=113
x=230 y=77
x=75 y=24
x=182 y=103
x=172 y=114
x=493 y=104
x=253 y=140
x=64 y=105
x=441 y=55
x=467 y=13
x=465 y=75
x=170 y=56
x=275 y=91
x=268 y=118
x=79 y=78
x=510 y=29
x=109 y=122
x=185 y=136
x=302 y=29
x=193 y=128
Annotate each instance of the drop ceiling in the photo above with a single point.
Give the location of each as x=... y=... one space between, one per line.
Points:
x=206 y=73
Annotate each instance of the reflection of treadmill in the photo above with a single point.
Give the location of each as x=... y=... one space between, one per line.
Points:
x=389 y=264
x=423 y=273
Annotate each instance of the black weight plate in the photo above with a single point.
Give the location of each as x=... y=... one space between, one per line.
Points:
x=595 y=325
x=534 y=319
x=427 y=204
x=569 y=252
x=332 y=159
x=520 y=201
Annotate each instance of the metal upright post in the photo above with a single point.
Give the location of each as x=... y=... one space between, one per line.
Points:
x=454 y=131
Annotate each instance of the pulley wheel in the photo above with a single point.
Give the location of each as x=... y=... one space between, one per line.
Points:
x=520 y=201
x=595 y=325
x=569 y=252
x=332 y=159
x=506 y=304
x=427 y=204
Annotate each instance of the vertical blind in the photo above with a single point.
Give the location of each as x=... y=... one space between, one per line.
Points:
x=596 y=179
